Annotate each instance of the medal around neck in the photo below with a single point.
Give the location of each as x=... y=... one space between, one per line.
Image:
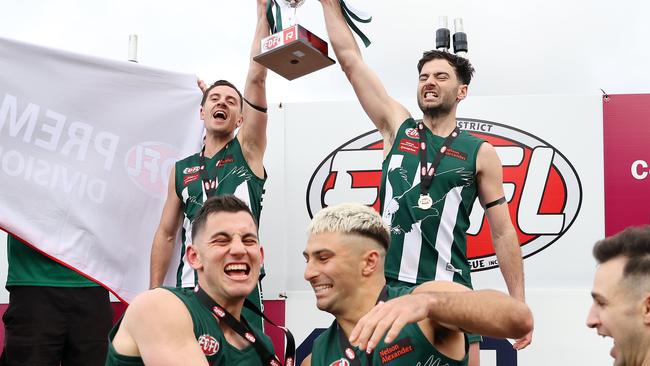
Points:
x=293 y=51
x=425 y=202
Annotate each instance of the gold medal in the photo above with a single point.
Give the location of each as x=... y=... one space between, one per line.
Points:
x=425 y=202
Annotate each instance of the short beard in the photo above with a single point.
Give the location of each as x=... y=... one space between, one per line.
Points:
x=435 y=112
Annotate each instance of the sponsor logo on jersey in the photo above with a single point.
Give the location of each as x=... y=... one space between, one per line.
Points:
x=408 y=146
x=191 y=170
x=412 y=133
x=148 y=165
x=542 y=187
x=190 y=178
x=349 y=353
x=341 y=362
x=456 y=154
x=396 y=350
x=218 y=311
x=209 y=345
x=250 y=337
x=224 y=161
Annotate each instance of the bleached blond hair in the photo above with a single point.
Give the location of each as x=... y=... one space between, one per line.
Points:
x=351 y=218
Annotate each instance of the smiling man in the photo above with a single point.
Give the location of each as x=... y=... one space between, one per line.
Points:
x=226 y=164
x=432 y=172
x=621 y=295
x=174 y=326
x=378 y=323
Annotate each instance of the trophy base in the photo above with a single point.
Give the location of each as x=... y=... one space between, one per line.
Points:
x=294 y=52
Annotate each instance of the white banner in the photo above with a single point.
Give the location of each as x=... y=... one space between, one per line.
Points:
x=86 y=147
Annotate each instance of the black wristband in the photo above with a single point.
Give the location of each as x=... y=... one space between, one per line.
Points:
x=256 y=107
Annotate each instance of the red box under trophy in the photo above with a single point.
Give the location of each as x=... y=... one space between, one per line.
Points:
x=294 y=52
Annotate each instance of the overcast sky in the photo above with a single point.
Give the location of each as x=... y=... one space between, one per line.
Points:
x=518 y=47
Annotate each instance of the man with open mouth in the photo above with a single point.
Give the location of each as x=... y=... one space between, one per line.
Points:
x=204 y=325
x=432 y=172
x=228 y=163
x=621 y=295
x=377 y=323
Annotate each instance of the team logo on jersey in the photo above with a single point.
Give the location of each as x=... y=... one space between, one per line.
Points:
x=209 y=345
x=191 y=170
x=341 y=362
x=412 y=133
x=148 y=165
x=349 y=353
x=542 y=188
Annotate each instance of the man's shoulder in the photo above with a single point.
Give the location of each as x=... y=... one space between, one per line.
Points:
x=156 y=305
x=326 y=338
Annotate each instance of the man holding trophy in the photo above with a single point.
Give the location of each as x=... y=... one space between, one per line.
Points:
x=227 y=164
x=426 y=196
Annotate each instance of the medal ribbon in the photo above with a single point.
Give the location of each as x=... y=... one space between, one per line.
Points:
x=344 y=343
x=426 y=176
x=241 y=328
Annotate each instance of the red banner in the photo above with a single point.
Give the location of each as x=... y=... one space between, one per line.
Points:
x=626 y=133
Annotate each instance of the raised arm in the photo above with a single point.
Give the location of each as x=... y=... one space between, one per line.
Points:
x=504 y=236
x=385 y=112
x=158 y=328
x=165 y=236
x=253 y=131
x=448 y=307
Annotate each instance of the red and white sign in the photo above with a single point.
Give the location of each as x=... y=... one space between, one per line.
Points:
x=626 y=134
x=542 y=187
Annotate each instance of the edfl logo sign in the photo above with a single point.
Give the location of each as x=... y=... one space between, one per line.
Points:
x=541 y=186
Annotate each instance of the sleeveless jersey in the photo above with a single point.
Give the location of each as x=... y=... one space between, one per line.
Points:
x=233 y=176
x=428 y=244
x=411 y=347
x=208 y=334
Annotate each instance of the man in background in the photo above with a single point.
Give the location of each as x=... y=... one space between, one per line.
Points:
x=621 y=295
x=56 y=316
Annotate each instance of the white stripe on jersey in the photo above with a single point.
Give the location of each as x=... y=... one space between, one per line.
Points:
x=445 y=235
x=187 y=274
x=409 y=264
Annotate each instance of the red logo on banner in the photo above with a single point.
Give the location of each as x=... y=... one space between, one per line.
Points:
x=542 y=188
x=148 y=165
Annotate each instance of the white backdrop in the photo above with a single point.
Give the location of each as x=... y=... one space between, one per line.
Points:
x=302 y=135
x=558 y=278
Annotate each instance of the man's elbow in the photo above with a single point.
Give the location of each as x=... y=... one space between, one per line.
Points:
x=521 y=321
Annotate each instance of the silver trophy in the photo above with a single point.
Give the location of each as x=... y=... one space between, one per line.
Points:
x=293 y=51
x=294 y=4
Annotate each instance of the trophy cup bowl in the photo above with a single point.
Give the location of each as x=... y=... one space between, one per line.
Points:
x=294 y=3
x=293 y=51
